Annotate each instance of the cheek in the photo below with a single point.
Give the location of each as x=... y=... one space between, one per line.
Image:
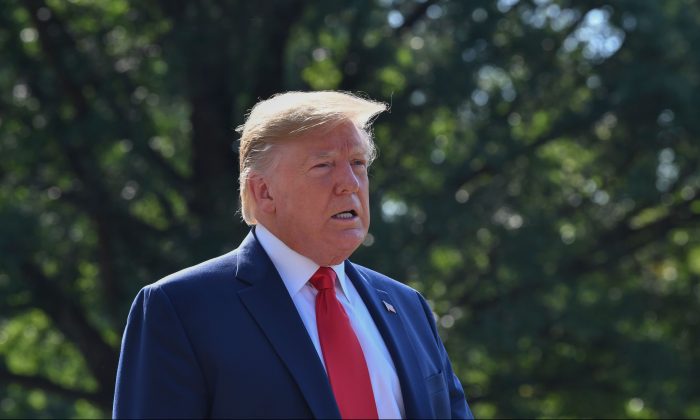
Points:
x=287 y=205
x=364 y=191
x=303 y=204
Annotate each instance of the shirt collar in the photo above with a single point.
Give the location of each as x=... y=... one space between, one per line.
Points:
x=294 y=268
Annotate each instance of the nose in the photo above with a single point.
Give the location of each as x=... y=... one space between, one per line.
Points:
x=347 y=181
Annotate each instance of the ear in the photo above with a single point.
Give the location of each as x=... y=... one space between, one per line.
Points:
x=260 y=191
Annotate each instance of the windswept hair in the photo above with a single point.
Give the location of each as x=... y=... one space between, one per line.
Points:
x=288 y=116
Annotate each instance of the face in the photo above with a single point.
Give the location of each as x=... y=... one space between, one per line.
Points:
x=314 y=197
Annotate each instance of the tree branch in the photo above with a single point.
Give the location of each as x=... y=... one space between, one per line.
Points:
x=48 y=30
x=622 y=238
x=276 y=46
x=412 y=18
x=55 y=40
x=358 y=56
x=570 y=124
x=100 y=357
x=38 y=382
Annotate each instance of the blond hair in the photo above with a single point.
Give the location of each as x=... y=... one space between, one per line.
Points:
x=290 y=115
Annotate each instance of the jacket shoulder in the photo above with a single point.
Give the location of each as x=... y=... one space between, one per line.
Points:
x=203 y=275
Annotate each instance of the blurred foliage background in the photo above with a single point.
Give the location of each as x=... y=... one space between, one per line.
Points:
x=538 y=182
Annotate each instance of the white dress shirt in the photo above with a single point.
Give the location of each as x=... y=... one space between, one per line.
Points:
x=296 y=270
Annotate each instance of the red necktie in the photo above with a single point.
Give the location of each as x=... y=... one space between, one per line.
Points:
x=345 y=362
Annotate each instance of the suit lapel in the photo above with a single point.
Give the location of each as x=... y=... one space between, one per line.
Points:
x=391 y=327
x=270 y=305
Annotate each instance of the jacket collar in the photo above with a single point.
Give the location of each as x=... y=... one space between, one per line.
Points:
x=268 y=302
x=392 y=327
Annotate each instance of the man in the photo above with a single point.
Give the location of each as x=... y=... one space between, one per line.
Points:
x=285 y=326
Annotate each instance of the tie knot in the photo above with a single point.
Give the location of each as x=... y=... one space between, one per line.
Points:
x=323 y=278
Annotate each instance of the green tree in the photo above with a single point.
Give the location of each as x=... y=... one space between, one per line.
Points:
x=537 y=181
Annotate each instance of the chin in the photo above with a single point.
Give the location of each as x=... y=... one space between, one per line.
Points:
x=346 y=246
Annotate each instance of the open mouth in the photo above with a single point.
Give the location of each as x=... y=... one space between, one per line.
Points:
x=345 y=215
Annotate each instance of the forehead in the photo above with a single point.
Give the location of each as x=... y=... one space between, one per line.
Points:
x=344 y=138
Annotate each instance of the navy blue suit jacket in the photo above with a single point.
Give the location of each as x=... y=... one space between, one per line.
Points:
x=224 y=339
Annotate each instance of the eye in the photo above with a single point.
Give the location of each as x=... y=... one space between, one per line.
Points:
x=359 y=162
x=322 y=165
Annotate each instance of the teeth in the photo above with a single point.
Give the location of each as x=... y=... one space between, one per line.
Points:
x=344 y=215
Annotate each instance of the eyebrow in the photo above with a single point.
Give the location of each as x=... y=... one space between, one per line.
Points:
x=332 y=153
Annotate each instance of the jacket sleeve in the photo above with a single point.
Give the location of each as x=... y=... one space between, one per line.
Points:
x=158 y=373
x=459 y=407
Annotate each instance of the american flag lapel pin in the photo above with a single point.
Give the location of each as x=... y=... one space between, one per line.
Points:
x=389 y=307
